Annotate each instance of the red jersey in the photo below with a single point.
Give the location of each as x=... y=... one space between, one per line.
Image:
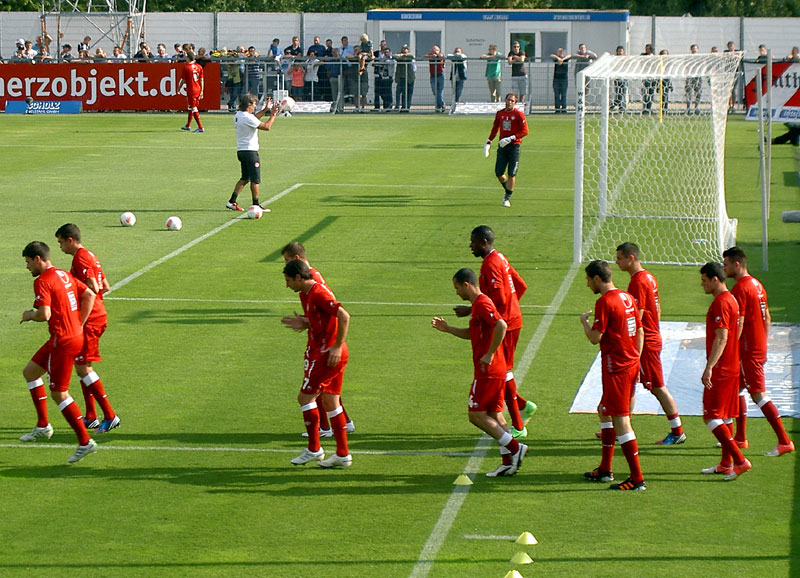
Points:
x=320 y=308
x=752 y=299
x=616 y=317
x=724 y=313
x=498 y=283
x=86 y=266
x=62 y=293
x=482 y=321
x=644 y=290
x=510 y=123
x=192 y=76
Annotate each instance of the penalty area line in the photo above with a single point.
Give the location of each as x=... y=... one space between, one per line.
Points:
x=438 y=535
x=190 y=244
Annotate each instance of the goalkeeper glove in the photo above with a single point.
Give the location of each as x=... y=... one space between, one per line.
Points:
x=507 y=140
x=486 y=148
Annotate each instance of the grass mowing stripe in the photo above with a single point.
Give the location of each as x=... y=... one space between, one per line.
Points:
x=281 y=301
x=396 y=186
x=450 y=511
x=191 y=244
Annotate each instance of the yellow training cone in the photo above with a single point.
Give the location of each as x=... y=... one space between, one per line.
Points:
x=527 y=539
x=463 y=480
x=513 y=574
x=521 y=558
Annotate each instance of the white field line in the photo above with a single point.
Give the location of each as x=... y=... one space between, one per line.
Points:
x=282 y=301
x=387 y=186
x=194 y=242
x=489 y=537
x=438 y=535
x=109 y=447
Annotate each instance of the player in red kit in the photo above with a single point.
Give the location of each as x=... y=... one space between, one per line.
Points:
x=500 y=282
x=296 y=250
x=325 y=360
x=485 y=405
x=644 y=290
x=87 y=269
x=721 y=375
x=192 y=79
x=64 y=303
x=618 y=330
x=756 y=321
x=512 y=126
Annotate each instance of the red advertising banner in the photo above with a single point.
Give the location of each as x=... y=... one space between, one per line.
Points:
x=785 y=92
x=107 y=86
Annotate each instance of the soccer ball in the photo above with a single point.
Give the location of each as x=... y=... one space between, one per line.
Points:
x=287 y=104
x=174 y=223
x=127 y=219
x=254 y=212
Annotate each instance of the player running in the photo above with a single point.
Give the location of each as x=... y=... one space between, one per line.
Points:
x=504 y=286
x=512 y=126
x=485 y=405
x=87 y=269
x=64 y=303
x=326 y=357
x=192 y=79
x=644 y=290
x=754 y=333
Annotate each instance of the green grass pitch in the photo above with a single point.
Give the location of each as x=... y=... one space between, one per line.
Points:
x=197 y=481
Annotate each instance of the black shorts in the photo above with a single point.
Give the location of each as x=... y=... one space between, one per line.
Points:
x=508 y=156
x=251 y=166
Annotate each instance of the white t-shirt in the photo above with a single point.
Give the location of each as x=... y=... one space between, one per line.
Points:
x=246 y=131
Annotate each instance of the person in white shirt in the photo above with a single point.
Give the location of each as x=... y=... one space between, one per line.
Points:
x=247 y=123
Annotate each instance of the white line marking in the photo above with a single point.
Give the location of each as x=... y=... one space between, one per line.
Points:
x=191 y=244
x=109 y=447
x=489 y=537
x=439 y=533
x=281 y=301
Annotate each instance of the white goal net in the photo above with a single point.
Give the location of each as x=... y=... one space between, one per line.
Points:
x=649 y=157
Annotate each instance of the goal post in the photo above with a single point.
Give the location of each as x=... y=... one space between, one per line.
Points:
x=650 y=157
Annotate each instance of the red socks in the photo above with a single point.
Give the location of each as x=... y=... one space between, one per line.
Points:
x=741 y=421
x=729 y=448
x=91 y=381
x=630 y=448
x=608 y=437
x=774 y=418
x=339 y=425
x=675 y=424
x=196 y=116
x=72 y=413
x=311 y=419
x=512 y=404
x=39 y=396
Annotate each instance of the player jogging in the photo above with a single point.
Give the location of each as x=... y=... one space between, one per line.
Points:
x=721 y=374
x=618 y=330
x=247 y=123
x=753 y=336
x=504 y=286
x=323 y=367
x=192 y=79
x=87 y=269
x=296 y=250
x=485 y=405
x=644 y=290
x=64 y=303
x=512 y=126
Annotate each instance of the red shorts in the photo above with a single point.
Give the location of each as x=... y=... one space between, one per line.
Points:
x=752 y=376
x=651 y=373
x=193 y=102
x=319 y=378
x=721 y=401
x=618 y=388
x=509 y=347
x=487 y=394
x=91 y=344
x=58 y=360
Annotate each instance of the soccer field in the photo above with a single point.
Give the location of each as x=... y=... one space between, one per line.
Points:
x=197 y=480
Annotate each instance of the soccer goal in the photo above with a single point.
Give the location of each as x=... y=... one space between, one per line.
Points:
x=649 y=157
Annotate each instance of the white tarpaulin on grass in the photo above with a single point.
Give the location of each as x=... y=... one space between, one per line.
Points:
x=684 y=357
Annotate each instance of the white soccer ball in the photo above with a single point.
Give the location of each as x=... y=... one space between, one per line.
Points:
x=254 y=212
x=287 y=104
x=127 y=219
x=174 y=223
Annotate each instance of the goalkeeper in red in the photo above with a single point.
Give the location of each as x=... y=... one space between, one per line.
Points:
x=513 y=127
x=192 y=79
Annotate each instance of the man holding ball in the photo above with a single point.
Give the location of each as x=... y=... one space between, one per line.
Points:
x=512 y=126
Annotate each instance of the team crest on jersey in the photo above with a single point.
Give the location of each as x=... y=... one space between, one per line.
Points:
x=506 y=124
x=64 y=277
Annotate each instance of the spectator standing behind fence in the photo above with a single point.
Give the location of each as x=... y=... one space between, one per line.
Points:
x=161 y=53
x=365 y=54
x=693 y=88
x=335 y=65
x=87 y=44
x=117 y=54
x=560 y=79
x=519 y=77
x=731 y=47
x=312 y=79
x=144 y=54
x=436 y=66
x=405 y=76
x=295 y=49
x=666 y=87
x=202 y=57
x=255 y=75
x=583 y=58
x=762 y=54
x=99 y=55
x=179 y=54
x=346 y=52
x=66 y=53
x=649 y=85
x=384 y=76
x=274 y=51
x=298 y=82
x=620 y=101
x=794 y=55
x=493 y=72
x=458 y=73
